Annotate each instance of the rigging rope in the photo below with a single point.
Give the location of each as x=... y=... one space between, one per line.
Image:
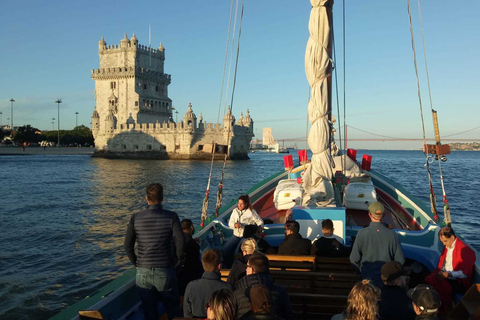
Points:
x=432 y=194
x=207 y=192
x=446 y=207
x=220 y=185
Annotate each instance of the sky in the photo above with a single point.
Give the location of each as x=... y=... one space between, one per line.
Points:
x=48 y=49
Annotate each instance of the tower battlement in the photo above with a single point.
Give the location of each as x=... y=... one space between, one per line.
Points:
x=133 y=114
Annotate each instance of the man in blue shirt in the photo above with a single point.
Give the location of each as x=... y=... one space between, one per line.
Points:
x=375 y=245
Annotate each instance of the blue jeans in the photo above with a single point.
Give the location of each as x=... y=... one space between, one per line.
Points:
x=158 y=284
x=228 y=250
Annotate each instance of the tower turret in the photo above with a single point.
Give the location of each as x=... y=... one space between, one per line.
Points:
x=248 y=121
x=95 y=121
x=110 y=122
x=190 y=119
x=240 y=120
x=134 y=41
x=101 y=44
x=124 y=43
x=228 y=120
x=161 y=47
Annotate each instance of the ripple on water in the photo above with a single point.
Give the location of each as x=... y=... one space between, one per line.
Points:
x=63 y=227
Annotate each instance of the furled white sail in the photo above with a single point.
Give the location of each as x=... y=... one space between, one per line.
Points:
x=318 y=67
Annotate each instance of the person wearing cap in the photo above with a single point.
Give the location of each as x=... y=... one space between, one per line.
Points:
x=375 y=245
x=425 y=301
x=454 y=272
x=394 y=303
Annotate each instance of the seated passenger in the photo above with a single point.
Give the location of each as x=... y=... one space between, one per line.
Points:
x=294 y=244
x=221 y=305
x=198 y=292
x=241 y=216
x=192 y=268
x=394 y=303
x=328 y=245
x=261 y=304
x=254 y=231
x=258 y=273
x=238 y=271
x=454 y=272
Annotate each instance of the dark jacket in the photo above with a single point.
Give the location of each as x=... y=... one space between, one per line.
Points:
x=192 y=268
x=426 y=317
x=198 y=293
x=256 y=316
x=281 y=302
x=157 y=233
x=295 y=245
x=328 y=247
x=238 y=270
x=394 y=304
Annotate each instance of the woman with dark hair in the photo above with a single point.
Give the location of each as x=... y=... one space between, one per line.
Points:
x=242 y=215
x=221 y=305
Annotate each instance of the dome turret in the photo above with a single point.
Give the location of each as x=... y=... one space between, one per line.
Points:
x=124 y=42
x=134 y=40
x=190 y=118
x=228 y=119
x=240 y=120
x=101 y=44
x=161 y=47
x=200 y=119
x=95 y=114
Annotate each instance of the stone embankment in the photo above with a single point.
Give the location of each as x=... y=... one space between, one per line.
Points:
x=17 y=151
x=474 y=146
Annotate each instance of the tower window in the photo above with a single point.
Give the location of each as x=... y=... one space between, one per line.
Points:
x=113 y=85
x=156 y=88
x=136 y=103
x=144 y=86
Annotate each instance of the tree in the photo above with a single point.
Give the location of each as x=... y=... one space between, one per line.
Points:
x=27 y=134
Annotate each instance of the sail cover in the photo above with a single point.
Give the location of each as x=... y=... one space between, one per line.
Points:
x=318 y=67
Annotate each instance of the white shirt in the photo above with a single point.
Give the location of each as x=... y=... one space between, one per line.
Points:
x=448 y=264
x=243 y=217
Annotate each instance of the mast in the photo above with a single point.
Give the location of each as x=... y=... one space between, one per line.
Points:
x=318 y=67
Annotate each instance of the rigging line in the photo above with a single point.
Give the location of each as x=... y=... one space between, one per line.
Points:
x=230 y=124
x=344 y=85
x=416 y=68
x=446 y=208
x=214 y=146
x=432 y=194
x=231 y=57
x=236 y=59
x=225 y=60
x=338 y=103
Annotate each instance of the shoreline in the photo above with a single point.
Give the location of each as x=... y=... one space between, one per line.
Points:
x=49 y=151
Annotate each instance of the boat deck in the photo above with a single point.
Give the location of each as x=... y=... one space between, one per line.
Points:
x=395 y=215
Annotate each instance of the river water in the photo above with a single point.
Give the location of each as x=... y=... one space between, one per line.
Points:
x=63 y=217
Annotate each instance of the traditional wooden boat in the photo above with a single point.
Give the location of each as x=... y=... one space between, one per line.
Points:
x=332 y=186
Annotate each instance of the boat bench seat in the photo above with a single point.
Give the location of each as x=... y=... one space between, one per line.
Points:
x=90 y=315
x=317 y=306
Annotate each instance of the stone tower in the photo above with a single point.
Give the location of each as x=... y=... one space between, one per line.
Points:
x=130 y=86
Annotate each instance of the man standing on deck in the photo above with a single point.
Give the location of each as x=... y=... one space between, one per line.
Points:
x=375 y=245
x=158 y=232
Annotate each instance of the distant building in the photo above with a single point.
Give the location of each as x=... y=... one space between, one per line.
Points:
x=133 y=113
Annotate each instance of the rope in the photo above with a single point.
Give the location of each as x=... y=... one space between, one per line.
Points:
x=446 y=207
x=432 y=194
x=220 y=185
x=207 y=192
